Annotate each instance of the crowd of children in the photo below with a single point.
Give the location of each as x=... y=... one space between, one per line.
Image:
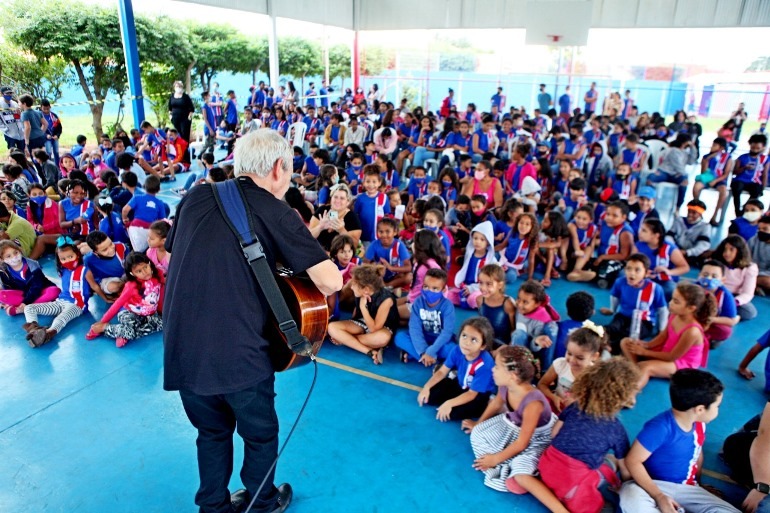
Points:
x=425 y=214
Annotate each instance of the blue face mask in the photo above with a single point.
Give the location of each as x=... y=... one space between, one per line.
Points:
x=356 y=168
x=418 y=181
x=709 y=283
x=433 y=229
x=40 y=200
x=7 y=98
x=96 y=161
x=432 y=296
x=447 y=184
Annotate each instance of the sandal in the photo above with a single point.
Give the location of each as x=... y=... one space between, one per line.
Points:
x=376 y=356
x=404 y=357
x=555 y=274
x=546 y=282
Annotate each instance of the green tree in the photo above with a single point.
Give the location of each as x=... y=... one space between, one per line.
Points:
x=299 y=57
x=377 y=59
x=91 y=43
x=259 y=57
x=457 y=62
x=339 y=62
x=217 y=48
x=760 y=64
x=42 y=78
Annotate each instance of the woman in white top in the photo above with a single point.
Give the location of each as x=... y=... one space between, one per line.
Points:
x=355 y=134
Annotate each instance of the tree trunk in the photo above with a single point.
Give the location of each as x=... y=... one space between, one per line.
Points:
x=203 y=81
x=96 y=114
x=254 y=77
x=188 y=77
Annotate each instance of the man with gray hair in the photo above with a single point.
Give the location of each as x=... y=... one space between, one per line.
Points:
x=214 y=316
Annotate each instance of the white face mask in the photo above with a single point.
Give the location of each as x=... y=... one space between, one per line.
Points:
x=178 y=90
x=752 y=217
x=13 y=261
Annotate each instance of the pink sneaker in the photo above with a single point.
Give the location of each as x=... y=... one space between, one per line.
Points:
x=120 y=342
x=91 y=335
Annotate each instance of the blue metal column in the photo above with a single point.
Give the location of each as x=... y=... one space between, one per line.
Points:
x=131 y=53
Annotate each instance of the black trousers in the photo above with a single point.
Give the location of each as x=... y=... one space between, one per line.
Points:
x=447 y=389
x=620 y=327
x=755 y=190
x=216 y=417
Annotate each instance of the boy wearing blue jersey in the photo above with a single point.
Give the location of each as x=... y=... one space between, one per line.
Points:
x=372 y=205
x=635 y=294
x=750 y=172
x=391 y=253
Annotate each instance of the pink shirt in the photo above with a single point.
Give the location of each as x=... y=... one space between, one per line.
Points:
x=696 y=356
x=742 y=282
x=419 y=278
x=162 y=265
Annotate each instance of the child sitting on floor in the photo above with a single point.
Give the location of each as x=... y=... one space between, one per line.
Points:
x=519 y=254
x=515 y=429
x=494 y=305
x=390 y=253
x=635 y=295
x=536 y=322
x=615 y=243
x=584 y=347
x=342 y=253
x=682 y=345
x=580 y=308
x=479 y=252
x=431 y=323
x=467 y=394
x=72 y=301
x=577 y=468
x=711 y=278
x=139 y=305
x=23 y=281
x=375 y=318
x=665 y=460
x=104 y=265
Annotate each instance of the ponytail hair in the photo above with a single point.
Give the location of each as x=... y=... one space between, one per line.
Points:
x=704 y=302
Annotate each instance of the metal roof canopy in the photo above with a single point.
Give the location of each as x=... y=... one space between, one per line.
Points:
x=480 y=14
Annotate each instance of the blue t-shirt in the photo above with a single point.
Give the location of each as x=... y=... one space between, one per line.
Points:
x=369 y=210
x=659 y=257
x=396 y=255
x=310 y=166
x=475 y=375
x=232 y=112
x=449 y=194
x=147 y=208
x=115 y=230
x=588 y=439
x=418 y=187
x=753 y=168
x=564 y=101
x=726 y=306
x=675 y=452
x=105 y=267
x=743 y=228
x=632 y=298
x=590 y=107
x=609 y=238
x=431 y=327
x=566 y=327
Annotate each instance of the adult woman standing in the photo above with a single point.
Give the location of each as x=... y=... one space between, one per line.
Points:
x=335 y=219
x=181 y=109
x=485 y=184
x=292 y=96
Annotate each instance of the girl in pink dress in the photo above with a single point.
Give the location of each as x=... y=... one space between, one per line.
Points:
x=683 y=345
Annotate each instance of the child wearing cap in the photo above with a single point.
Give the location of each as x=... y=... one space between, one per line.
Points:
x=643 y=209
x=691 y=233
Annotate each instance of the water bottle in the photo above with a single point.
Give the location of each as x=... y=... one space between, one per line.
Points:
x=636 y=324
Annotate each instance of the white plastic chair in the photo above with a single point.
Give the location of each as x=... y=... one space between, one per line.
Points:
x=295 y=134
x=656 y=148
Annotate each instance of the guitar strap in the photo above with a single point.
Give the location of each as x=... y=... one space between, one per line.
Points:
x=232 y=203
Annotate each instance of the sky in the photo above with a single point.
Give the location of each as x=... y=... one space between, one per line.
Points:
x=726 y=49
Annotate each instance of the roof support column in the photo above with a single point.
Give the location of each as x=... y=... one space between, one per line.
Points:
x=131 y=55
x=272 y=43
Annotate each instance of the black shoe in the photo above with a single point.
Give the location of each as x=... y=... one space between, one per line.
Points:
x=239 y=500
x=285 y=494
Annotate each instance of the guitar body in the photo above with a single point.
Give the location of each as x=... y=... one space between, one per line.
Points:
x=309 y=309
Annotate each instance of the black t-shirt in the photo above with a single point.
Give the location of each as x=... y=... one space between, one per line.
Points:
x=325 y=238
x=213 y=312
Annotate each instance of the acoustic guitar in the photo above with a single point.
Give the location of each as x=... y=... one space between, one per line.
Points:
x=309 y=309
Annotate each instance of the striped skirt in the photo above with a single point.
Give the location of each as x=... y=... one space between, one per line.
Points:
x=497 y=433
